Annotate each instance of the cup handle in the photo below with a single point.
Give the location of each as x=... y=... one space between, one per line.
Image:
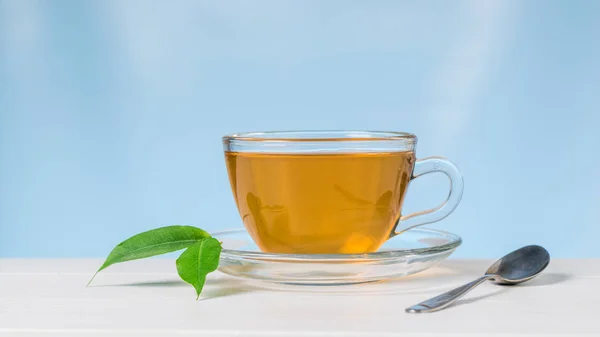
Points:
x=425 y=166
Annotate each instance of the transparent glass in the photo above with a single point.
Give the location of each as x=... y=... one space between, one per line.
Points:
x=410 y=253
x=276 y=198
x=320 y=141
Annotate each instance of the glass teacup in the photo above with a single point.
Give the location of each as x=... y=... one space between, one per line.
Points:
x=328 y=192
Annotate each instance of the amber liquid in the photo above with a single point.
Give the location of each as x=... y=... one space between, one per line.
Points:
x=319 y=203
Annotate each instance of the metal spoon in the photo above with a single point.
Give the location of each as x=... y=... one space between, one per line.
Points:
x=519 y=266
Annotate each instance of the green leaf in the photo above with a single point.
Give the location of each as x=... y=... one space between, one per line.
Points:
x=154 y=242
x=198 y=261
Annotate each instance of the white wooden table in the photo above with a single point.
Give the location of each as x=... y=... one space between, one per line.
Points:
x=146 y=298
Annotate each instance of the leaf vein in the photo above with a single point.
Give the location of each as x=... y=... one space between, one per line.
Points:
x=131 y=252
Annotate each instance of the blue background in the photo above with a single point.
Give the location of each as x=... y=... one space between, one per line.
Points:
x=112 y=112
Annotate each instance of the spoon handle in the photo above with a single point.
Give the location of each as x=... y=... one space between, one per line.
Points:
x=447 y=298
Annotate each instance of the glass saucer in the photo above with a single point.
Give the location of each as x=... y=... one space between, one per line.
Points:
x=408 y=253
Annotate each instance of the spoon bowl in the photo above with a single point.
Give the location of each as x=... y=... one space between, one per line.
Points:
x=519 y=266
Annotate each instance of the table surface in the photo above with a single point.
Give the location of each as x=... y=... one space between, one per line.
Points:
x=146 y=297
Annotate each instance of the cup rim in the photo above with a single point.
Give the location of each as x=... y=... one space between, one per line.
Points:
x=319 y=136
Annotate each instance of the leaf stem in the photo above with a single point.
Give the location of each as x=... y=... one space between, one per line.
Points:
x=88 y=284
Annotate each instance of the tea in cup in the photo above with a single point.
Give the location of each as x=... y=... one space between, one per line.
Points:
x=329 y=192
